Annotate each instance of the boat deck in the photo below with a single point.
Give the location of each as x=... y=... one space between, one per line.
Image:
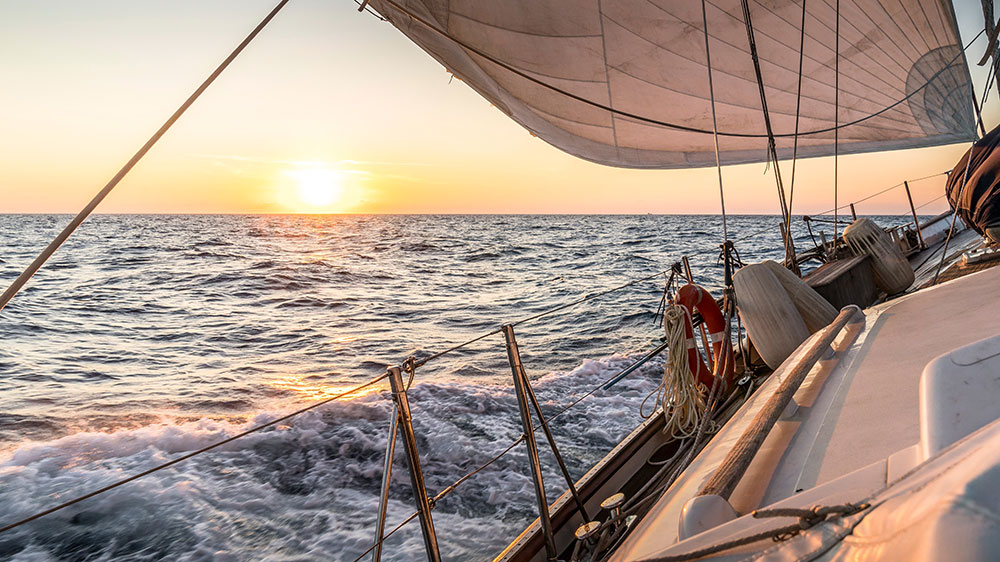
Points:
x=857 y=416
x=875 y=411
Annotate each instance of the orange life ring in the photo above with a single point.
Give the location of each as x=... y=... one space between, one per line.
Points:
x=692 y=297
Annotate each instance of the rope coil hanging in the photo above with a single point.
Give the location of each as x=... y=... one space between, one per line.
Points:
x=680 y=394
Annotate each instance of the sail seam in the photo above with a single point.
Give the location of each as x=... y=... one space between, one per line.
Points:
x=819 y=41
x=669 y=125
x=607 y=76
x=749 y=82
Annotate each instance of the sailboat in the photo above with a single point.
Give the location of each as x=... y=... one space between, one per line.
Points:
x=873 y=435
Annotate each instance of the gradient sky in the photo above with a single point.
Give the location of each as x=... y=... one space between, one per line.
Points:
x=328 y=94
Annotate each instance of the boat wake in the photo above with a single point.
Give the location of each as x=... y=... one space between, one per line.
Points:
x=309 y=489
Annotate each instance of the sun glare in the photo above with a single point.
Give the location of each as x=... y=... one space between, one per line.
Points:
x=318 y=188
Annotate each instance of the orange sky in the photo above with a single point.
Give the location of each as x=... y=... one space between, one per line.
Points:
x=328 y=98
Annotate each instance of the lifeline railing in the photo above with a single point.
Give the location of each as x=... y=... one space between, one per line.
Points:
x=898 y=232
x=401 y=422
x=901 y=233
x=402 y=418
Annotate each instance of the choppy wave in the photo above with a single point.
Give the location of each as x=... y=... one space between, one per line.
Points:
x=146 y=337
x=308 y=489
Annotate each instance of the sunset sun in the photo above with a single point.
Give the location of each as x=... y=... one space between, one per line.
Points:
x=317 y=188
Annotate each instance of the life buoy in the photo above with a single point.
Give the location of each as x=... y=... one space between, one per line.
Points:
x=692 y=297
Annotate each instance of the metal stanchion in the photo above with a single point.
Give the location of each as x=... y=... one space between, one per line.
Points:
x=383 y=502
x=416 y=475
x=555 y=450
x=913 y=210
x=514 y=357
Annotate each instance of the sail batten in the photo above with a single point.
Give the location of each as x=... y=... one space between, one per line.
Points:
x=624 y=82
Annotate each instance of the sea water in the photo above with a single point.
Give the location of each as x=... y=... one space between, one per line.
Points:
x=149 y=336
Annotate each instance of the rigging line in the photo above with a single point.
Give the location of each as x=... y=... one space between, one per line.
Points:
x=437 y=31
x=929 y=177
x=961 y=191
x=863 y=199
x=35 y=265
x=189 y=455
x=553 y=310
x=991 y=76
x=771 y=146
x=756 y=232
x=387 y=535
x=873 y=195
x=798 y=106
x=715 y=121
x=426 y=360
x=836 y=132
x=992 y=50
x=918 y=207
x=587 y=298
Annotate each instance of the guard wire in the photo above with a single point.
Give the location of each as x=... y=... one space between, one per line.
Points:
x=863 y=199
x=189 y=455
x=584 y=299
x=547 y=312
x=441 y=495
x=939 y=197
x=520 y=439
x=389 y=534
x=876 y=194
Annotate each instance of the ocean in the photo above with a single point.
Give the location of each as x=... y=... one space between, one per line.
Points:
x=149 y=336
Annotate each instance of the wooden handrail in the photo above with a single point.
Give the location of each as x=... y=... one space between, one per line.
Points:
x=729 y=473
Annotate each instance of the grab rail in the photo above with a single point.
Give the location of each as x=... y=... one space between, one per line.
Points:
x=728 y=475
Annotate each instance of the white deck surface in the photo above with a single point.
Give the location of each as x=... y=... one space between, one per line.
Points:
x=875 y=410
x=856 y=409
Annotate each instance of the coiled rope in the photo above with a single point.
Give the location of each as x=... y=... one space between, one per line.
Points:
x=680 y=393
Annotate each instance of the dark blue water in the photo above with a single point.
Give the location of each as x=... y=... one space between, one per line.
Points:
x=146 y=337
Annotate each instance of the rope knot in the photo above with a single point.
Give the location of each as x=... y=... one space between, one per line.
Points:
x=808 y=518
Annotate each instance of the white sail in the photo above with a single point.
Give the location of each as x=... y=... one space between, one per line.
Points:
x=646 y=58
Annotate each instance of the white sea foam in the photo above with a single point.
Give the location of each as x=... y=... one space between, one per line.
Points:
x=308 y=490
